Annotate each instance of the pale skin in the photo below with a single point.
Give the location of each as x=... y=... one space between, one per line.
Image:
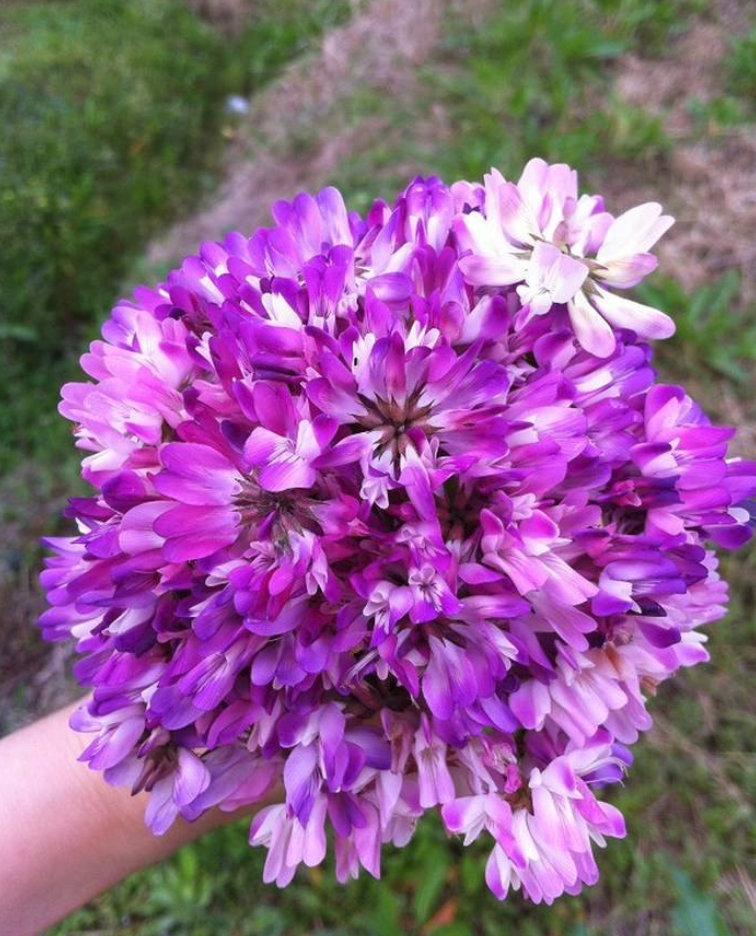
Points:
x=65 y=835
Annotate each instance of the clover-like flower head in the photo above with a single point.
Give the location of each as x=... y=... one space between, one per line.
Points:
x=390 y=514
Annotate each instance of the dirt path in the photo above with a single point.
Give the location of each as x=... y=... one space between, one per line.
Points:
x=298 y=130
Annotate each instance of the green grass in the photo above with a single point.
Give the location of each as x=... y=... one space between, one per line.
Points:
x=735 y=104
x=741 y=68
x=714 y=330
x=106 y=132
x=533 y=81
x=117 y=110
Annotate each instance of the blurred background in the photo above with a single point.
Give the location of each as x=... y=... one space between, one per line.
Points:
x=134 y=129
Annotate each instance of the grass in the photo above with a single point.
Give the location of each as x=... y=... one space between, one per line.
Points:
x=117 y=110
x=741 y=69
x=713 y=329
x=532 y=81
x=103 y=149
x=735 y=105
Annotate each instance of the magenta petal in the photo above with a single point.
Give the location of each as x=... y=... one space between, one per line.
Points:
x=349 y=450
x=195 y=532
x=196 y=474
x=436 y=689
x=290 y=472
x=138 y=534
x=261 y=446
x=498 y=873
x=300 y=780
x=461 y=813
x=274 y=407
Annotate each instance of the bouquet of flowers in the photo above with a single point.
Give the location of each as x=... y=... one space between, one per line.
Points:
x=391 y=514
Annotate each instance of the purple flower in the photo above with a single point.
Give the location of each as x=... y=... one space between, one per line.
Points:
x=390 y=515
x=525 y=227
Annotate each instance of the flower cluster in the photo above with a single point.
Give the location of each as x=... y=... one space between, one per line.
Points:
x=391 y=515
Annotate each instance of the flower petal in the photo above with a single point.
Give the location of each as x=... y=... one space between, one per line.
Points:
x=644 y=320
x=492 y=271
x=626 y=272
x=591 y=330
x=634 y=232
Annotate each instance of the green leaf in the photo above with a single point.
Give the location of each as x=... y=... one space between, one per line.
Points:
x=608 y=49
x=458 y=928
x=723 y=292
x=385 y=910
x=695 y=913
x=17 y=332
x=435 y=866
